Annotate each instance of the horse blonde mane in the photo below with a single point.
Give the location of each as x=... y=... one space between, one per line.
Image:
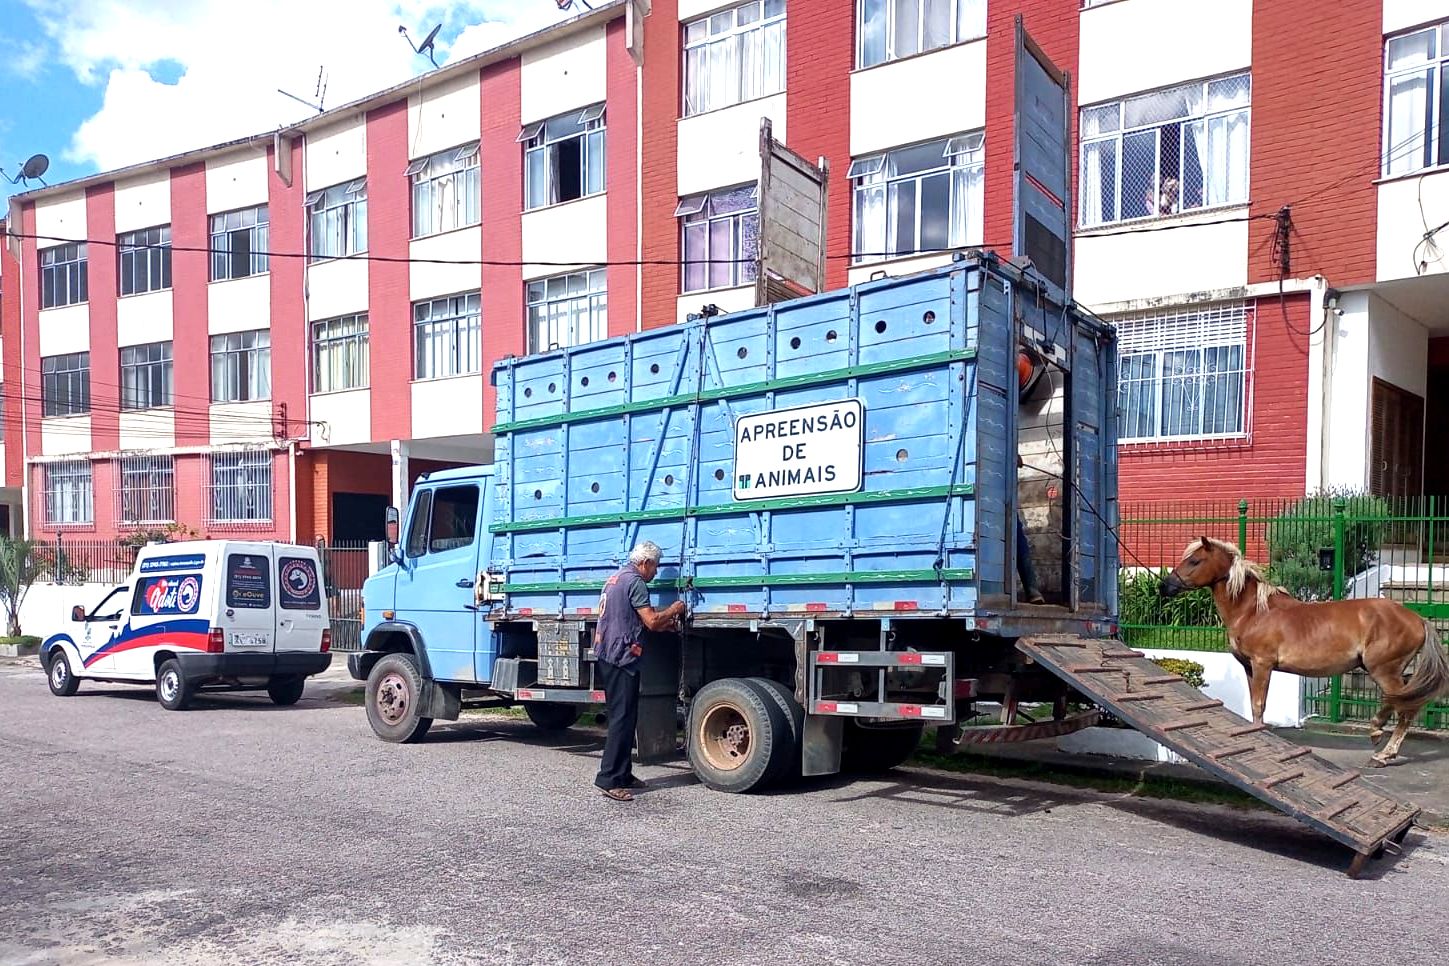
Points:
x=1238 y=573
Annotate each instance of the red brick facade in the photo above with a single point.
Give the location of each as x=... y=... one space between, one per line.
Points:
x=659 y=165
x=502 y=183
x=389 y=228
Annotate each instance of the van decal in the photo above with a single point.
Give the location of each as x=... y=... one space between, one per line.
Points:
x=171 y=594
x=297 y=579
x=190 y=561
x=247 y=581
x=186 y=634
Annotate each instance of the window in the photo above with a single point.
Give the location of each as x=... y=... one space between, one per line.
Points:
x=65 y=384
x=337 y=220
x=145 y=260
x=241 y=366
x=239 y=241
x=445 y=190
x=567 y=310
x=297 y=584
x=721 y=230
x=446 y=338
x=247 y=584
x=241 y=487
x=735 y=55
x=1169 y=151
x=918 y=199
x=443 y=519
x=339 y=354
x=146 y=376
x=417 y=543
x=1416 y=100
x=67 y=489
x=891 y=29
x=563 y=157
x=148 y=489
x=1184 y=374
x=63 y=276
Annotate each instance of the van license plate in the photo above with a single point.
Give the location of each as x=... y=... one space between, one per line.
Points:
x=248 y=640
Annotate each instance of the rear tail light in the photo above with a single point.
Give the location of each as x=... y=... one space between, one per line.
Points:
x=215 y=641
x=326 y=639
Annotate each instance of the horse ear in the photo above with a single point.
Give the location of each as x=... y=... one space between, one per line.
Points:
x=1207 y=543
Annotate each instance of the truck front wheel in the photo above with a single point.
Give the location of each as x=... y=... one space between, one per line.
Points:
x=737 y=736
x=394 y=700
x=551 y=716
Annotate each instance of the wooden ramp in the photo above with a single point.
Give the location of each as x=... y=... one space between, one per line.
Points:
x=1332 y=800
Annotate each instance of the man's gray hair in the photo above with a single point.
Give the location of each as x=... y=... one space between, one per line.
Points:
x=645 y=551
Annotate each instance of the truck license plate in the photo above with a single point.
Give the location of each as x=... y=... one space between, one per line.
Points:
x=248 y=640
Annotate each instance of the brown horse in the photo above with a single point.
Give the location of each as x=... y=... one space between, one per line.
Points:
x=1269 y=630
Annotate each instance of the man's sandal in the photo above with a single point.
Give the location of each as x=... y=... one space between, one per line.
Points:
x=618 y=794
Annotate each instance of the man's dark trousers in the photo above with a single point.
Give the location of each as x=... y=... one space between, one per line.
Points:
x=621 y=706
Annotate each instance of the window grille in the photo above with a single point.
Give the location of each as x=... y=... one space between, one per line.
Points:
x=147 y=493
x=239 y=487
x=67 y=493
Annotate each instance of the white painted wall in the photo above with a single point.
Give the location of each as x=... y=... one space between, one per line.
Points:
x=429 y=281
x=66 y=329
x=930 y=96
x=1398 y=348
x=144 y=203
x=62 y=435
x=563 y=76
x=1348 y=438
x=348 y=416
x=239 y=305
x=241 y=422
x=722 y=148
x=338 y=287
x=692 y=9
x=1118 y=268
x=148 y=429
x=144 y=318
x=63 y=217
x=1401 y=225
x=444 y=115
x=728 y=299
x=236 y=181
x=896 y=267
x=1403 y=14
x=1122 y=50
x=575 y=232
x=448 y=407
x=337 y=153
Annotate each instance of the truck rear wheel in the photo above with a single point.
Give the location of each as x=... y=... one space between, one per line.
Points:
x=550 y=716
x=788 y=765
x=870 y=750
x=737 y=736
x=394 y=700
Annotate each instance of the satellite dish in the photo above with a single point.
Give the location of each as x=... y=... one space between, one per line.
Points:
x=426 y=46
x=35 y=167
x=427 y=43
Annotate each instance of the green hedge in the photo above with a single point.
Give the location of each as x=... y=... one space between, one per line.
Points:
x=1296 y=535
x=1140 y=603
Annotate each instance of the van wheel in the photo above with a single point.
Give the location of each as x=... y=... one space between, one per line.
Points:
x=868 y=750
x=62 y=679
x=736 y=735
x=172 y=689
x=286 y=690
x=394 y=695
x=553 y=716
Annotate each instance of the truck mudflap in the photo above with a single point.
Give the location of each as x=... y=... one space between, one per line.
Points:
x=1328 y=799
x=824 y=700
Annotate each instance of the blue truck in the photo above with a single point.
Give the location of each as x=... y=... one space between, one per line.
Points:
x=834 y=481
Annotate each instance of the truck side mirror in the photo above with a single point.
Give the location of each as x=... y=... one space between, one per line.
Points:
x=78 y=614
x=390 y=526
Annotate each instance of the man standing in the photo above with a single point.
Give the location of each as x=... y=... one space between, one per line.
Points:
x=624 y=614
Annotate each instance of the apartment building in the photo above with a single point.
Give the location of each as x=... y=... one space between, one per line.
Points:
x=272 y=336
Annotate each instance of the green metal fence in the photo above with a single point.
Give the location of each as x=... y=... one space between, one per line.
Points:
x=1320 y=548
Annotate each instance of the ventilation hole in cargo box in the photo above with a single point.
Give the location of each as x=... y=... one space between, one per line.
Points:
x=902 y=456
x=669 y=479
x=527 y=391
x=538 y=494
x=552 y=388
x=584 y=381
x=613 y=376
x=929 y=317
x=831 y=336
x=719 y=474
x=880 y=326
x=654 y=369
x=795 y=342
x=742 y=352
x=593 y=487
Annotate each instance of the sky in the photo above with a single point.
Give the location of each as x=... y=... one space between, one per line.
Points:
x=99 y=84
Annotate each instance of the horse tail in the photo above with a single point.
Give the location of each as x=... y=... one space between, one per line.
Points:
x=1431 y=677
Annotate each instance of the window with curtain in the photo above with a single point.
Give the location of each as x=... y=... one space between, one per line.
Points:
x=241 y=366
x=922 y=198
x=65 y=384
x=892 y=29
x=148 y=489
x=239 y=241
x=447 y=336
x=567 y=310
x=563 y=157
x=145 y=260
x=337 y=220
x=146 y=376
x=240 y=487
x=68 y=497
x=339 y=354
x=445 y=190
x=1184 y=374
x=720 y=235
x=1165 y=152
x=735 y=55
x=1416 y=134
x=64 y=275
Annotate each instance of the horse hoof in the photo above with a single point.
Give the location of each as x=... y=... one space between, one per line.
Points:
x=1376 y=735
x=1377 y=761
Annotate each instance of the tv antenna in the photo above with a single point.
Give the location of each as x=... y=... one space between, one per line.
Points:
x=320 y=93
x=427 y=44
x=31 y=170
x=569 y=4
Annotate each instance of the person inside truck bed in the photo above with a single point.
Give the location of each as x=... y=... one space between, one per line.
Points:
x=624 y=614
x=1024 y=568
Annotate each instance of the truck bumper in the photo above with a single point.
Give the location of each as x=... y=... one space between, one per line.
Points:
x=201 y=667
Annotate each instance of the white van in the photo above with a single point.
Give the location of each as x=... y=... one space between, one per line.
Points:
x=202 y=614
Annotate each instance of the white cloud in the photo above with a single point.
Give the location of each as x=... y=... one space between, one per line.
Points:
x=232 y=58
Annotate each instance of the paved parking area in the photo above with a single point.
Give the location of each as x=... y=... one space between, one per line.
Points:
x=243 y=833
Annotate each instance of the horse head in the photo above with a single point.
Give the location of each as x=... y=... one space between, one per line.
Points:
x=1204 y=563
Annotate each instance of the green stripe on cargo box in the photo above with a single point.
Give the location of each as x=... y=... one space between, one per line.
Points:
x=743 y=506
x=749 y=389
x=777 y=580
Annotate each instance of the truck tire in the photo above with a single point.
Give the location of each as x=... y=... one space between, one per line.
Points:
x=870 y=750
x=735 y=736
x=286 y=690
x=788 y=765
x=553 y=716
x=394 y=700
x=59 y=676
x=173 y=690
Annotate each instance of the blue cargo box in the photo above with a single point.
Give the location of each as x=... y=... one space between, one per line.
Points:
x=848 y=453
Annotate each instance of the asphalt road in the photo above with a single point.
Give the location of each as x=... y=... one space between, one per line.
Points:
x=243 y=833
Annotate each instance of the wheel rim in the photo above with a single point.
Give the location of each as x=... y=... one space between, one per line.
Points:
x=724 y=737
x=58 y=672
x=170 y=686
x=393 y=699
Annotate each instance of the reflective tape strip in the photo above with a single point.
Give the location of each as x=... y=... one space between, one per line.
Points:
x=933 y=712
x=910 y=659
x=906 y=605
x=936 y=659
x=528 y=695
x=596 y=695
x=837 y=657
x=909 y=710
x=525 y=611
x=738 y=609
x=815 y=606
x=583 y=610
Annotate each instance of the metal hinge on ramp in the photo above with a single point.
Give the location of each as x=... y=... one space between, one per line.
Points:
x=1332 y=800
